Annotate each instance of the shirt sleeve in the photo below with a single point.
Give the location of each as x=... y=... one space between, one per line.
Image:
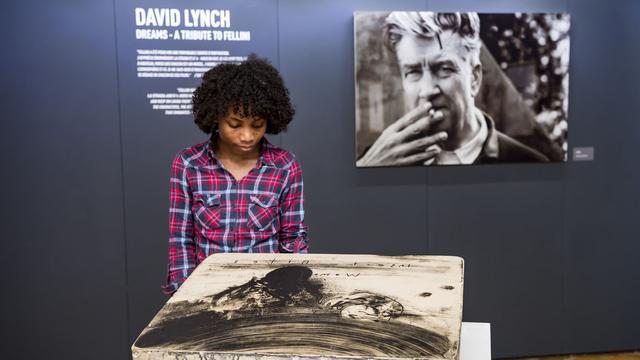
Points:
x=293 y=232
x=182 y=249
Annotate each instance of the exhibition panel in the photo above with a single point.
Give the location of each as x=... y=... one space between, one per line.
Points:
x=98 y=102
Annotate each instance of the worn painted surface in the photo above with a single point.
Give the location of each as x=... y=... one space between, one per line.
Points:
x=276 y=306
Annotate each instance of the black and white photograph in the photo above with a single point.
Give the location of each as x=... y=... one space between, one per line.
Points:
x=460 y=88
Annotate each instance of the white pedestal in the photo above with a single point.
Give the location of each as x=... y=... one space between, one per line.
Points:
x=475 y=341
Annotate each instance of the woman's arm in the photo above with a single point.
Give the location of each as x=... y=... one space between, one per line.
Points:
x=293 y=231
x=182 y=248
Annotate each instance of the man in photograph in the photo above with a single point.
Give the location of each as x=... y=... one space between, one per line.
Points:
x=439 y=59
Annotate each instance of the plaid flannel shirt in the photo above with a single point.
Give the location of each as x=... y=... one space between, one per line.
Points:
x=211 y=212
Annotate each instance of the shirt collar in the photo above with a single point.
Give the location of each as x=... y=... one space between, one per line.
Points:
x=490 y=148
x=266 y=152
x=469 y=151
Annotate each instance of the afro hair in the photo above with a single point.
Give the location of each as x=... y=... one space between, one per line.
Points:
x=252 y=88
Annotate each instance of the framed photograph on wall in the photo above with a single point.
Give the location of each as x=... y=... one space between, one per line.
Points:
x=460 y=88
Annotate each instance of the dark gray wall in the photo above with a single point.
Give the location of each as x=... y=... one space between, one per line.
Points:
x=550 y=249
x=63 y=259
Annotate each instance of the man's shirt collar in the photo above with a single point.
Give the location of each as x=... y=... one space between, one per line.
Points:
x=491 y=146
x=469 y=151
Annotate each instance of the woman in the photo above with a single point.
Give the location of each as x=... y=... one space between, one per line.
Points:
x=235 y=192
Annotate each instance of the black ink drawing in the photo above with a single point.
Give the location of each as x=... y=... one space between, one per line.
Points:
x=291 y=310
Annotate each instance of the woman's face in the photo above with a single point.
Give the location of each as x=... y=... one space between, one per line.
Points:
x=241 y=135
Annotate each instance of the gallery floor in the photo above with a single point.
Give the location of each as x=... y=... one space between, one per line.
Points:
x=604 y=356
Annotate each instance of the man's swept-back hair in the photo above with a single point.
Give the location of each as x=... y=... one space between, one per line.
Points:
x=252 y=88
x=429 y=25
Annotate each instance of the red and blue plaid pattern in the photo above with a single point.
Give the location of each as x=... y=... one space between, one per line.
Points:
x=211 y=212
